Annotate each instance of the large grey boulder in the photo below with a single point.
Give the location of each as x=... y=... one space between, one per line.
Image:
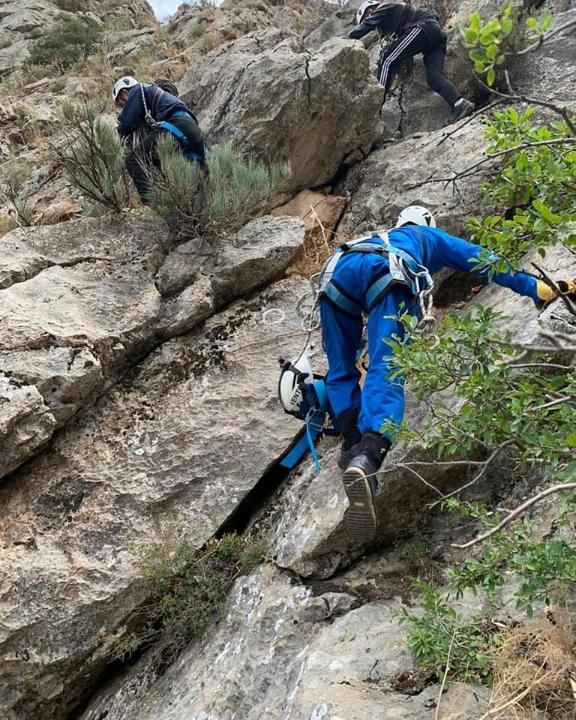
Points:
x=79 y=302
x=282 y=651
x=283 y=103
x=257 y=254
x=187 y=434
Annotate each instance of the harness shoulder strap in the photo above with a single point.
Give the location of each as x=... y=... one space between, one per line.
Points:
x=156 y=99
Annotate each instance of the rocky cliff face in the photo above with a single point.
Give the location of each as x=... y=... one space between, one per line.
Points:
x=138 y=382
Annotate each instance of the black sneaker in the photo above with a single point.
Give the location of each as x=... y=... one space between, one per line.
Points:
x=360 y=484
x=461 y=110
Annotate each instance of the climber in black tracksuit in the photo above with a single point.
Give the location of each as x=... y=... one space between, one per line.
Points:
x=416 y=31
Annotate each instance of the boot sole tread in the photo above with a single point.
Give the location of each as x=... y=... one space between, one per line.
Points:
x=360 y=517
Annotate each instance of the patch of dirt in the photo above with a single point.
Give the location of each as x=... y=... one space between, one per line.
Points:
x=412 y=682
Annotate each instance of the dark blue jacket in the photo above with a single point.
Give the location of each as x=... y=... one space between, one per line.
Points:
x=161 y=105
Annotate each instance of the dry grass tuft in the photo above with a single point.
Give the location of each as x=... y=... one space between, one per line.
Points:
x=533 y=671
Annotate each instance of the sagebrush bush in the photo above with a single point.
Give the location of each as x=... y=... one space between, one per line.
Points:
x=197 y=203
x=69 y=42
x=93 y=156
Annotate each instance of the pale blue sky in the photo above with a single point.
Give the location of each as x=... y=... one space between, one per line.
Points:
x=164 y=8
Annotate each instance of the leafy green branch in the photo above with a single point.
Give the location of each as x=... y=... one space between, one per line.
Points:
x=490 y=43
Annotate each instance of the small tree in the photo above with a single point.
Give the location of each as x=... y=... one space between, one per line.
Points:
x=210 y=202
x=94 y=157
x=69 y=42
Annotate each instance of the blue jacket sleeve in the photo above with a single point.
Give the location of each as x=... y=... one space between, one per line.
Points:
x=445 y=250
x=132 y=115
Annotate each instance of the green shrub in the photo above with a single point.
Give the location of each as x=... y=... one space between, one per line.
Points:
x=188 y=588
x=197 y=204
x=13 y=177
x=69 y=42
x=441 y=637
x=93 y=157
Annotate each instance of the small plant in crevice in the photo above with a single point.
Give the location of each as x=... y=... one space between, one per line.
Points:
x=13 y=178
x=196 y=203
x=441 y=637
x=188 y=588
x=493 y=42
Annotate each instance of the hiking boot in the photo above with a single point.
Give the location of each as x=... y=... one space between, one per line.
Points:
x=347 y=455
x=361 y=485
x=460 y=110
x=347 y=424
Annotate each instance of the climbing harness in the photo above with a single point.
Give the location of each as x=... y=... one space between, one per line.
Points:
x=403 y=269
x=167 y=125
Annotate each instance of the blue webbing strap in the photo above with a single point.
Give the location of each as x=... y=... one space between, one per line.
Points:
x=310 y=423
x=341 y=301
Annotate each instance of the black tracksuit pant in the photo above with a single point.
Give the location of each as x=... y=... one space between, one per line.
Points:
x=138 y=161
x=428 y=39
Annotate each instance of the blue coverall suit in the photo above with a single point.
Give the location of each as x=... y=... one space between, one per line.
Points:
x=381 y=402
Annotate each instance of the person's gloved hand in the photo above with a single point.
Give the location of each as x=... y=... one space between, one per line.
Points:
x=547 y=294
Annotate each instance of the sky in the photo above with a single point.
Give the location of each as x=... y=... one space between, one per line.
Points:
x=164 y=8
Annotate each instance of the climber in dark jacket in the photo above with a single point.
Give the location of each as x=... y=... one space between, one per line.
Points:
x=154 y=111
x=416 y=31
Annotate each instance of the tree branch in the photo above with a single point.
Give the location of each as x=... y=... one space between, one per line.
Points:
x=520 y=510
x=477 y=477
x=471 y=169
x=542 y=39
x=559 y=110
x=565 y=298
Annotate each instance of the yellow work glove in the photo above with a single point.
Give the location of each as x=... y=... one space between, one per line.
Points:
x=547 y=293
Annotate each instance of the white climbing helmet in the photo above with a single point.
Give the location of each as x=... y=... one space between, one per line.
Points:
x=362 y=9
x=291 y=376
x=416 y=215
x=123 y=84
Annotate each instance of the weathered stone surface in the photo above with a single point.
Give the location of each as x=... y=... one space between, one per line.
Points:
x=550 y=73
x=396 y=176
x=286 y=104
x=79 y=301
x=256 y=255
x=320 y=213
x=26 y=423
x=189 y=433
x=276 y=656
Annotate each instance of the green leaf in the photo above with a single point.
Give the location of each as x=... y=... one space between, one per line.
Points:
x=475 y=21
x=492 y=51
x=490 y=77
x=477 y=55
x=544 y=211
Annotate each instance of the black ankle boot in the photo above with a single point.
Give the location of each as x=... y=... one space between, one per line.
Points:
x=347 y=424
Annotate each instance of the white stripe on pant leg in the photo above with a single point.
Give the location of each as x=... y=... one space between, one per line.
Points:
x=394 y=54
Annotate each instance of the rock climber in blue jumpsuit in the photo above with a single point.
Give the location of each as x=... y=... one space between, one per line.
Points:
x=360 y=283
